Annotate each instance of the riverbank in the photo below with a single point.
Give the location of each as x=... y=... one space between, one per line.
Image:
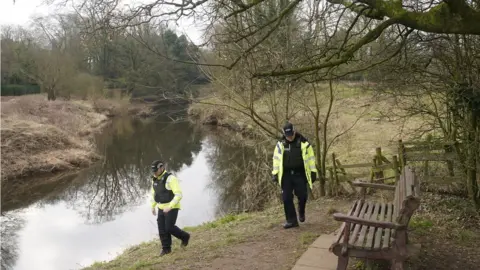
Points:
x=257 y=240
x=43 y=137
x=246 y=241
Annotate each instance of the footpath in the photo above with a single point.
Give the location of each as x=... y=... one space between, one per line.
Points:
x=317 y=256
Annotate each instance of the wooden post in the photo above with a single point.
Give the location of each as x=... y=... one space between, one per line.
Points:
x=379 y=162
x=401 y=154
x=396 y=169
x=335 y=173
x=448 y=148
x=374 y=170
x=339 y=164
x=330 y=172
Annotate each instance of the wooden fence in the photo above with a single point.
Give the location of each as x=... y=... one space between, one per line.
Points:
x=426 y=154
x=375 y=171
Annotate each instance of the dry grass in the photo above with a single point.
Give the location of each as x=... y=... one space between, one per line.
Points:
x=112 y=107
x=39 y=136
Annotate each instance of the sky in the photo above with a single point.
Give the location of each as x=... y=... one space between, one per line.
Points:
x=22 y=11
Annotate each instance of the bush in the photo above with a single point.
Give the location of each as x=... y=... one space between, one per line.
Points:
x=19 y=89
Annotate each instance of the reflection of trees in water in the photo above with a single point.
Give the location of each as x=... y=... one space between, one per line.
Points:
x=122 y=179
x=241 y=174
x=11 y=223
x=17 y=195
x=113 y=185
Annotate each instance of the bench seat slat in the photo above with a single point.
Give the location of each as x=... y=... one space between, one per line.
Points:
x=358 y=206
x=371 y=230
x=388 y=232
x=356 y=229
x=355 y=206
x=372 y=207
x=370 y=237
x=379 y=232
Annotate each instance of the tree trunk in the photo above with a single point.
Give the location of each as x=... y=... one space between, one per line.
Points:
x=51 y=94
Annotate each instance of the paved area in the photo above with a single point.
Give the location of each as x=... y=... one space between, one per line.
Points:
x=317 y=256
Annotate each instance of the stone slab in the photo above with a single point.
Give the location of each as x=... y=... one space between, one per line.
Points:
x=315 y=257
x=324 y=241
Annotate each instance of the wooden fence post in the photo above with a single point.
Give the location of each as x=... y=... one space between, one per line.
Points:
x=374 y=170
x=339 y=164
x=330 y=189
x=401 y=154
x=379 y=162
x=335 y=174
x=396 y=169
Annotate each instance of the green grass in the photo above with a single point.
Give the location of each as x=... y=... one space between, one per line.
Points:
x=306 y=238
x=210 y=238
x=234 y=235
x=421 y=225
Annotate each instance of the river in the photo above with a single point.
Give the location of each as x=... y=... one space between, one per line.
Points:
x=73 y=220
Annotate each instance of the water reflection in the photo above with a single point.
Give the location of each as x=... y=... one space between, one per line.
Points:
x=119 y=182
x=240 y=173
x=11 y=224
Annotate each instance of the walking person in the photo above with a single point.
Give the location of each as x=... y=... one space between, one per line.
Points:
x=166 y=196
x=294 y=169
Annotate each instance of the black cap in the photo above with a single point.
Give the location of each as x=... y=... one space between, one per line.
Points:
x=288 y=129
x=156 y=164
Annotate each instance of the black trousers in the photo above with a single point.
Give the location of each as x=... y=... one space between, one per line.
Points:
x=167 y=228
x=293 y=182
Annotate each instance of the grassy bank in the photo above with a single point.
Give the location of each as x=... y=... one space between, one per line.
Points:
x=257 y=240
x=40 y=137
x=246 y=241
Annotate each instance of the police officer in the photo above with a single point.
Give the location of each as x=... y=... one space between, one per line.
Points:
x=166 y=196
x=293 y=169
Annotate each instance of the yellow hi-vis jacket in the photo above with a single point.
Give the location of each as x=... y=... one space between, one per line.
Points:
x=308 y=160
x=173 y=185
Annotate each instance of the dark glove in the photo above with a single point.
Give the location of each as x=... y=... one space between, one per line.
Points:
x=275 y=178
x=314 y=177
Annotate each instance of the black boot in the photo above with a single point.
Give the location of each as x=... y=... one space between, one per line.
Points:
x=301 y=217
x=185 y=241
x=165 y=252
x=289 y=225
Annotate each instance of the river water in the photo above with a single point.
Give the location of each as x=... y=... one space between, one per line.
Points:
x=74 y=220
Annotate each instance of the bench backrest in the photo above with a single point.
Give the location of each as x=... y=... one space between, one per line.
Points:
x=406 y=199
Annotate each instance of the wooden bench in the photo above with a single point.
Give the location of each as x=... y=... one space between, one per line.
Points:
x=374 y=230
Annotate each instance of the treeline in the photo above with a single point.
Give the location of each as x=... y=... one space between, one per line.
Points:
x=67 y=54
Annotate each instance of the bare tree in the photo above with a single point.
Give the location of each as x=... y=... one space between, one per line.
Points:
x=438 y=79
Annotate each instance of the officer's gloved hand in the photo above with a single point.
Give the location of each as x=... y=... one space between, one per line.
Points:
x=275 y=178
x=314 y=176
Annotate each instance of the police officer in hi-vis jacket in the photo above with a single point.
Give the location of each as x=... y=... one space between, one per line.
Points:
x=293 y=169
x=166 y=196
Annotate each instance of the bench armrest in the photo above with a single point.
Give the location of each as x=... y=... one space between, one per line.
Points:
x=366 y=222
x=372 y=185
